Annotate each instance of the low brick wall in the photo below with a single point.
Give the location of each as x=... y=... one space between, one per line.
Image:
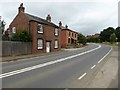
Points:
x=13 y=48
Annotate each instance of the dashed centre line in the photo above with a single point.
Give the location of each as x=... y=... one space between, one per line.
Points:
x=82 y=76
x=93 y=66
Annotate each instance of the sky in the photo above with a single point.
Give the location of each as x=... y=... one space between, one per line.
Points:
x=84 y=16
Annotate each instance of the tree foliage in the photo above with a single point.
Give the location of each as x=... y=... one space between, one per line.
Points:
x=22 y=36
x=117 y=32
x=106 y=33
x=113 y=38
x=82 y=39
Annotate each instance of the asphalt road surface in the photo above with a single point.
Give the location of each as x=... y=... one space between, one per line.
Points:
x=60 y=70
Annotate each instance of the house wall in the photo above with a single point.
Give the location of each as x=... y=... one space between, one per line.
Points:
x=48 y=35
x=21 y=22
x=65 y=36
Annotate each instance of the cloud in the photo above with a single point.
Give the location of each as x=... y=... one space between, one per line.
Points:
x=87 y=17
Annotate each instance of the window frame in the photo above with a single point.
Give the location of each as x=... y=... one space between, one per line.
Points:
x=56 y=34
x=40 y=32
x=56 y=47
x=40 y=47
x=14 y=30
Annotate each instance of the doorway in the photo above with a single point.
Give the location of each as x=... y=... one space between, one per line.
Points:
x=48 y=47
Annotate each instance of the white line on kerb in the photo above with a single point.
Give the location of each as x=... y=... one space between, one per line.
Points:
x=93 y=66
x=82 y=76
x=44 y=64
x=105 y=55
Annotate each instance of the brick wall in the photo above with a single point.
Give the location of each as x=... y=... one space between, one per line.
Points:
x=21 y=22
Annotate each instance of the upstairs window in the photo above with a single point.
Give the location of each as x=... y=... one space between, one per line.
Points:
x=56 y=44
x=56 y=31
x=40 y=28
x=72 y=34
x=75 y=35
x=69 y=33
x=14 y=30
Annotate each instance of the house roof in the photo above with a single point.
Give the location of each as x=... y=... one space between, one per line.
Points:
x=40 y=20
x=64 y=28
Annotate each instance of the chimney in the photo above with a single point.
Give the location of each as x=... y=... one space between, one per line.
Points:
x=48 y=18
x=60 y=24
x=66 y=27
x=21 y=8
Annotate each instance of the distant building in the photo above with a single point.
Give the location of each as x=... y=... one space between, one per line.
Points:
x=68 y=36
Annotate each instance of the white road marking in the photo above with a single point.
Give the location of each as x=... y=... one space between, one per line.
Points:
x=82 y=76
x=105 y=55
x=44 y=64
x=93 y=66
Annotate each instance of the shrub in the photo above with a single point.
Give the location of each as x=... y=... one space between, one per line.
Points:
x=22 y=36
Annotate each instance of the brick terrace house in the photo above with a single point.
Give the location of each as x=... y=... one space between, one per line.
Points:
x=46 y=36
x=68 y=36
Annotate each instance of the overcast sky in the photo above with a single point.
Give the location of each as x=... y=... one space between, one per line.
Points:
x=84 y=16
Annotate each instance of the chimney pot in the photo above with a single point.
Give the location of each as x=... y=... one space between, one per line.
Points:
x=66 y=27
x=48 y=18
x=60 y=24
x=21 y=8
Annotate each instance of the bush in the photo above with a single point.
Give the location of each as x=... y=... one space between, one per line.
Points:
x=22 y=36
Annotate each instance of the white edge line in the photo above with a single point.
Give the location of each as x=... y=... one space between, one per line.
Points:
x=44 y=64
x=93 y=66
x=105 y=55
x=82 y=76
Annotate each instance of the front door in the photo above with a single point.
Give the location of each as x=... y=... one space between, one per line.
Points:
x=47 y=47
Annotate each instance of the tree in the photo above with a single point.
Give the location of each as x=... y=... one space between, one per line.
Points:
x=113 y=38
x=2 y=25
x=106 y=33
x=22 y=36
x=117 y=32
x=82 y=39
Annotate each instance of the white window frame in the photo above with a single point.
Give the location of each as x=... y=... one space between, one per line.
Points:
x=56 y=45
x=40 y=44
x=56 y=31
x=40 y=29
x=14 y=30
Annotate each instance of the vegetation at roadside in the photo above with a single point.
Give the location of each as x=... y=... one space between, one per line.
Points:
x=21 y=35
x=82 y=39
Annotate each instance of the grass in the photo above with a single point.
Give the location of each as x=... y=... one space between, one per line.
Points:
x=113 y=44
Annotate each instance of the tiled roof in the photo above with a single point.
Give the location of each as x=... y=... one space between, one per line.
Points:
x=40 y=20
x=64 y=28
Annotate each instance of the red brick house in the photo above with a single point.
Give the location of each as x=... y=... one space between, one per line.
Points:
x=46 y=36
x=68 y=36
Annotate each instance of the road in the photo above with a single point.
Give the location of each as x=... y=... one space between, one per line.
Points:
x=60 y=70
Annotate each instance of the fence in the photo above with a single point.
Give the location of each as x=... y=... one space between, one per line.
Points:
x=13 y=48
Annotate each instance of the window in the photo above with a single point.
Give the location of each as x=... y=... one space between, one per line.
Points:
x=56 y=31
x=40 y=44
x=72 y=34
x=14 y=30
x=68 y=40
x=69 y=33
x=40 y=28
x=56 y=44
x=75 y=35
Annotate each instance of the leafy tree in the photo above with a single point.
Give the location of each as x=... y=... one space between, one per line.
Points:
x=106 y=33
x=82 y=39
x=2 y=25
x=113 y=38
x=117 y=32
x=22 y=36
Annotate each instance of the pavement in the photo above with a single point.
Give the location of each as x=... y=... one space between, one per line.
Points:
x=107 y=76
x=64 y=71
